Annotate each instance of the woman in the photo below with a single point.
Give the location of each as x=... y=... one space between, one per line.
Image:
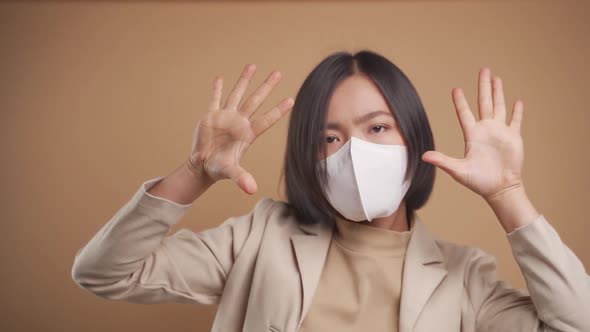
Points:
x=347 y=252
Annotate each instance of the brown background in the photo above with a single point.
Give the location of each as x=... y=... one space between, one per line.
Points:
x=98 y=97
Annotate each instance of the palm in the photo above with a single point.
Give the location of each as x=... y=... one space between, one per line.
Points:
x=224 y=137
x=494 y=151
x=224 y=134
x=494 y=158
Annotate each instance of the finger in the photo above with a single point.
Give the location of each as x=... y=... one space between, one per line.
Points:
x=453 y=166
x=241 y=85
x=263 y=122
x=486 y=107
x=243 y=179
x=517 y=111
x=217 y=91
x=257 y=98
x=464 y=114
x=499 y=103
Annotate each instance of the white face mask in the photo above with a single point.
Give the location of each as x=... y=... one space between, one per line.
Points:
x=366 y=180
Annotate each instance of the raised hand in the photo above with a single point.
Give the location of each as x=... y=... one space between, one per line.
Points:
x=494 y=154
x=223 y=134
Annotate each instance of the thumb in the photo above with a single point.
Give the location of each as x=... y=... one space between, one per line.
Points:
x=243 y=179
x=452 y=166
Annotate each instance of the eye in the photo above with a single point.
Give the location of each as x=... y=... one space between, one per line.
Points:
x=331 y=139
x=377 y=128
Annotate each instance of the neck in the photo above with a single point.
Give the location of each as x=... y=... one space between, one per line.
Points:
x=396 y=222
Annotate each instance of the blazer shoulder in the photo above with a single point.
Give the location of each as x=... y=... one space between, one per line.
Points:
x=275 y=216
x=460 y=256
x=273 y=210
x=267 y=206
x=266 y=212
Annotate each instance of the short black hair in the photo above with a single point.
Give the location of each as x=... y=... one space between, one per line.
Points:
x=303 y=171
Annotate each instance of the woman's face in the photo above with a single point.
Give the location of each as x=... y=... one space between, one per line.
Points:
x=358 y=109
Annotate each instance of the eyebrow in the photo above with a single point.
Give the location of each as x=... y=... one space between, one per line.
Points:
x=361 y=119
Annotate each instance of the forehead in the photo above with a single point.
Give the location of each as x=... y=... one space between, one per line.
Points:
x=355 y=96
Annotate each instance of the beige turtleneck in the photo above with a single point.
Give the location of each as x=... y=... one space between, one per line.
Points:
x=360 y=285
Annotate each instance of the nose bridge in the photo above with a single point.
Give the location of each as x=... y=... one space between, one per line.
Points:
x=348 y=129
x=357 y=132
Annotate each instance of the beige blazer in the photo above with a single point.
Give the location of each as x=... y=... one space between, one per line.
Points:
x=262 y=268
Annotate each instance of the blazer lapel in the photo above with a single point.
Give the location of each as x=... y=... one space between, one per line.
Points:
x=311 y=249
x=424 y=269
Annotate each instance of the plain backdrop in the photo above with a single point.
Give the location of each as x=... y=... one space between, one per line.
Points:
x=97 y=97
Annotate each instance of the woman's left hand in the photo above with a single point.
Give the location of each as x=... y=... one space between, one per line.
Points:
x=494 y=151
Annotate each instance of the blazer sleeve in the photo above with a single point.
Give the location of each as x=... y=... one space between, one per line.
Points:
x=132 y=258
x=558 y=297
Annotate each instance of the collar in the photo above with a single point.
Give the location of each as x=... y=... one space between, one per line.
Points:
x=424 y=267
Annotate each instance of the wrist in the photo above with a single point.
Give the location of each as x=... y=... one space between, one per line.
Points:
x=196 y=171
x=512 y=207
x=181 y=186
x=515 y=191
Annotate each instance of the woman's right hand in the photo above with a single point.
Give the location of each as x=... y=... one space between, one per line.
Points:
x=224 y=134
